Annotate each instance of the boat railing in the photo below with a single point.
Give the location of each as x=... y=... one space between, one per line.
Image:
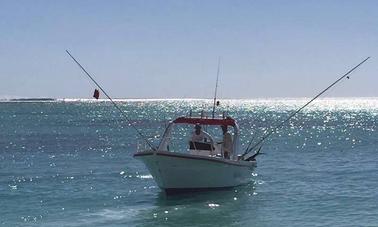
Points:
x=203 y=114
x=175 y=143
x=142 y=144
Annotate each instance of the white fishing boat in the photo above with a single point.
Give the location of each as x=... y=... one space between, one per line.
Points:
x=201 y=165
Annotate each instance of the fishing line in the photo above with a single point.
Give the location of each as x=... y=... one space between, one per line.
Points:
x=300 y=109
x=115 y=105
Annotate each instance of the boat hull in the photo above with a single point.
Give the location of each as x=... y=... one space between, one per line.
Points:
x=187 y=172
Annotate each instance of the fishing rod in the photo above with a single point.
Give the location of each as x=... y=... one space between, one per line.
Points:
x=300 y=109
x=216 y=88
x=250 y=143
x=115 y=104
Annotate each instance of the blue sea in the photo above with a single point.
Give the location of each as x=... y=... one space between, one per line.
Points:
x=69 y=163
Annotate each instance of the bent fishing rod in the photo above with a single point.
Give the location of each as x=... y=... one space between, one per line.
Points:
x=248 y=150
x=114 y=104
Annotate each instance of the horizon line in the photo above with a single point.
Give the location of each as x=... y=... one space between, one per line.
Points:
x=173 y=99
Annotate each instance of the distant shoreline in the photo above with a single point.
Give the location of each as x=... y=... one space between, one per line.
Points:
x=175 y=99
x=32 y=99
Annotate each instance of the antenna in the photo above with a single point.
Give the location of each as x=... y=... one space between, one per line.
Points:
x=216 y=88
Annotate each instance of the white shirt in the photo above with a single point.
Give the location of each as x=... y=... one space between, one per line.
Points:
x=201 y=137
x=227 y=142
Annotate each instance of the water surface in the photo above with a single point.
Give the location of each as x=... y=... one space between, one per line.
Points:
x=69 y=163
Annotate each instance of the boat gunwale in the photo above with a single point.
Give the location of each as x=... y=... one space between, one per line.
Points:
x=196 y=157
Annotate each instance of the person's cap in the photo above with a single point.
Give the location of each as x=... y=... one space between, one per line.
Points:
x=197 y=126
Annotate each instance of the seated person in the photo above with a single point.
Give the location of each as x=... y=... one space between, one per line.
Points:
x=199 y=138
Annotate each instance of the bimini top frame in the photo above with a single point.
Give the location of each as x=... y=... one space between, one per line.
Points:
x=202 y=121
x=205 y=121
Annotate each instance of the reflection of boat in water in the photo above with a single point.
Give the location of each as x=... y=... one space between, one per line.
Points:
x=202 y=165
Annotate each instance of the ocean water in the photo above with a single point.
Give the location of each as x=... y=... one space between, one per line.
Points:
x=69 y=163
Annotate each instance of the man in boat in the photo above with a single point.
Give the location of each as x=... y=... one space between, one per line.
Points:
x=199 y=135
x=227 y=142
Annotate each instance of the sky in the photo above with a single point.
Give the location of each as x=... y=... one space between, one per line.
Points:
x=170 y=49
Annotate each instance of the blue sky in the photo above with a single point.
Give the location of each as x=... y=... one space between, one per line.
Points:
x=170 y=49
